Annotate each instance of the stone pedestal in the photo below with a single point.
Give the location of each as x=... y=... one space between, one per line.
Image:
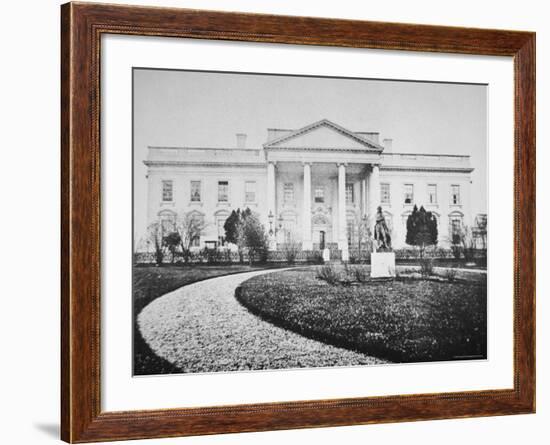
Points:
x=326 y=255
x=272 y=243
x=382 y=264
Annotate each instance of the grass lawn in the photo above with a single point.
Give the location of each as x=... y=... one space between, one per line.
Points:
x=402 y=320
x=151 y=282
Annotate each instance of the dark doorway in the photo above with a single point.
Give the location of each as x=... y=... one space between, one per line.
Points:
x=322 y=239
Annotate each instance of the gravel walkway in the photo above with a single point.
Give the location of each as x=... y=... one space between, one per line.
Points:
x=202 y=328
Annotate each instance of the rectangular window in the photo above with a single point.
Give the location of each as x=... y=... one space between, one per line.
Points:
x=250 y=191
x=223 y=191
x=432 y=194
x=319 y=194
x=455 y=194
x=409 y=194
x=384 y=193
x=349 y=194
x=167 y=191
x=195 y=191
x=288 y=192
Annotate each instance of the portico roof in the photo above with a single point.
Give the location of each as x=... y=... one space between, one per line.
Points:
x=323 y=135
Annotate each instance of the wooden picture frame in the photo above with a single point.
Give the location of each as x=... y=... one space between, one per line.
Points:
x=82 y=26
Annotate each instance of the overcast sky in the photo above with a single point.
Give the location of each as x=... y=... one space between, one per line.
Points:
x=185 y=108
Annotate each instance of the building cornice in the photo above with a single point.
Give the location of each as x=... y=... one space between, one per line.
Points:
x=227 y=149
x=263 y=165
x=320 y=150
x=426 y=155
x=427 y=169
x=204 y=164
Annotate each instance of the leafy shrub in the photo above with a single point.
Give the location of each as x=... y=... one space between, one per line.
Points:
x=426 y=266
x=347 y=269
x=346 y=281
x=482 y=260
x=469 y=253
x=450 y=273
x=314 y=256
x=440 y=252
x=328 y=273
x=361 y=274
x=421 y=229
x=290 y=251
x=212 y=255
x=456 y=249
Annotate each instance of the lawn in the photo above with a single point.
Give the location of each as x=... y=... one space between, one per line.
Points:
x=401 y=320
x=151 y=282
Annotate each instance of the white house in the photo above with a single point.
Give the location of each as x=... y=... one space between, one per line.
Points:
x=312 y=185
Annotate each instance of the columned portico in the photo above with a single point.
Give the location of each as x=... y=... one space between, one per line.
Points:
x=320 y=182
x=307 y=243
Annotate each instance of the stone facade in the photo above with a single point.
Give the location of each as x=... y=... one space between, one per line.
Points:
x=313 y=186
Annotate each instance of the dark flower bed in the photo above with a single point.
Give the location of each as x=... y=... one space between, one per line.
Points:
x=402 y=320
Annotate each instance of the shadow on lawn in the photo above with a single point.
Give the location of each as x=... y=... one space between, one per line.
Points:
x=152 y=282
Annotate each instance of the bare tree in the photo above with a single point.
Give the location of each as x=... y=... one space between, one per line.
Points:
x=153 y=241
x=189 y=227
x=291 y=248
x=468 y=242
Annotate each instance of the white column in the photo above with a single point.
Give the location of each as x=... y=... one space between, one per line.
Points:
x=342 y=223
x=363 y=197
x=271 y=202
x=374 y=194
x=307 y=243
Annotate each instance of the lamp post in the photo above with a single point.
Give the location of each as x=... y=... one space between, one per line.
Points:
x=363 y=232
x=270 y=218
x=272 y=240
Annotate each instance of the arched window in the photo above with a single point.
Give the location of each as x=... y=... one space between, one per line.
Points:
x=456 y=221
x=195 y=214
x=167 y=220
x=320 y=220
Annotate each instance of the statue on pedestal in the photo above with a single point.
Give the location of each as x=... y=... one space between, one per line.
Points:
x=382 y=233
x=382 y=258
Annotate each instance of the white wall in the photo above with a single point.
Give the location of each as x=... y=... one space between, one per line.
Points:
x=208 y=206
x=30 y=193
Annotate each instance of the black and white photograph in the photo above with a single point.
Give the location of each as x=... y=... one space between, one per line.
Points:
x=286 y=222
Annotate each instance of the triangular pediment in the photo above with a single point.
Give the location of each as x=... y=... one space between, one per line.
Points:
x=323 y=134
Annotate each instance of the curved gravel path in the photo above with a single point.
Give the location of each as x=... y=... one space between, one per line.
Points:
x=202 y=328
